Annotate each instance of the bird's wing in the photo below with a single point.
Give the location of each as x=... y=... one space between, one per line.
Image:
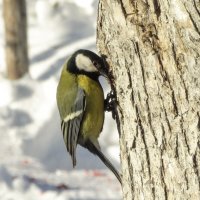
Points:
x=70 y=125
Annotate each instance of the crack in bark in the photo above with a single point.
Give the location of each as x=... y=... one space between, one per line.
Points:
x=177 y=64
x=147 y=95
x=153 y=189
x=185 y=89
x=157 y=9
x=162 y=169
x=195 y=166
x=123 y=8
x=168 y=123
x=198 y=144
x=130 y=169
x=186 y=179
x=174 y=102
x=184 y=134
x=146 y=148
x=174 y=54
x=139 y=98
x=187 y=145
x=198 y=123
x=168 y=80
x=163 y=72
x=117 y=109
x=193 y=22
x=195 y=6
x=131 y=85
x=167 y=120
x=133 y=146
x=176 y=148
x=163 y=138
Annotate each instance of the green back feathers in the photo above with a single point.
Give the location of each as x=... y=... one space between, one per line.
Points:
x=66 y=92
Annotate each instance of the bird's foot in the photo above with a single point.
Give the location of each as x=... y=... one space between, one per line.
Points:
x=110 y=103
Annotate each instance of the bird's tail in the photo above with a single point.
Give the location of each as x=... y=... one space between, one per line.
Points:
x=91 y=147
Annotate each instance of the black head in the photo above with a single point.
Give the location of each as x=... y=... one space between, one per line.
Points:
x=86 y=62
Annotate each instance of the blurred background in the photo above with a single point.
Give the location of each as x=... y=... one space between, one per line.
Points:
x=36 y=37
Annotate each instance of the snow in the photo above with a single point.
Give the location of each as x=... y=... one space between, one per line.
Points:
x=34 y=163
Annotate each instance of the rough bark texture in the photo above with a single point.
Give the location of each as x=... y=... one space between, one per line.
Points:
x=16 y=38
x=153 y=50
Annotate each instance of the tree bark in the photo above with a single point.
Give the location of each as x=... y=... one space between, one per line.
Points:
x=16 y=38
x=153 y=52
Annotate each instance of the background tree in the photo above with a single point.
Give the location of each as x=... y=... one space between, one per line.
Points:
x=153 y=50
x=15 y=23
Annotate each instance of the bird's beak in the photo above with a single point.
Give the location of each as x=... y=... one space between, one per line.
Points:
x=103 y=69
x=104 y=73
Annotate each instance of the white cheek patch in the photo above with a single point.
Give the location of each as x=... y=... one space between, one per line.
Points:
x=84 y=63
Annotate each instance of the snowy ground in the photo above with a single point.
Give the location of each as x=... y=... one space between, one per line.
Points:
x=34 y=163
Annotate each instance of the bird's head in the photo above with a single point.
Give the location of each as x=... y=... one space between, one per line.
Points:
x=88 y=63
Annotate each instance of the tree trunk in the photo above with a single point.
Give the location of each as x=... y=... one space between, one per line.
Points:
x=16 y=38
x=153 y=51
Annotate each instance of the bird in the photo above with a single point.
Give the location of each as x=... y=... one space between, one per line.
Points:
x=80 y=101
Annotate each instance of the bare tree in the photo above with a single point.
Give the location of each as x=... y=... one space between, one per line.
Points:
x=16 y=38
x=153 y=50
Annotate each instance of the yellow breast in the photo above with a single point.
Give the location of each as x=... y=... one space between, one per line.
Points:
x=94 y=113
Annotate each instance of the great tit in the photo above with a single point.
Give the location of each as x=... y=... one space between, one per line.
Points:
x=80 y=101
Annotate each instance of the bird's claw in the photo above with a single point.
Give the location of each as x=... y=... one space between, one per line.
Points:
x=110 y=103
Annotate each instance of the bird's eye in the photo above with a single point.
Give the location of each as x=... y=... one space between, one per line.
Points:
x=95 y=63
